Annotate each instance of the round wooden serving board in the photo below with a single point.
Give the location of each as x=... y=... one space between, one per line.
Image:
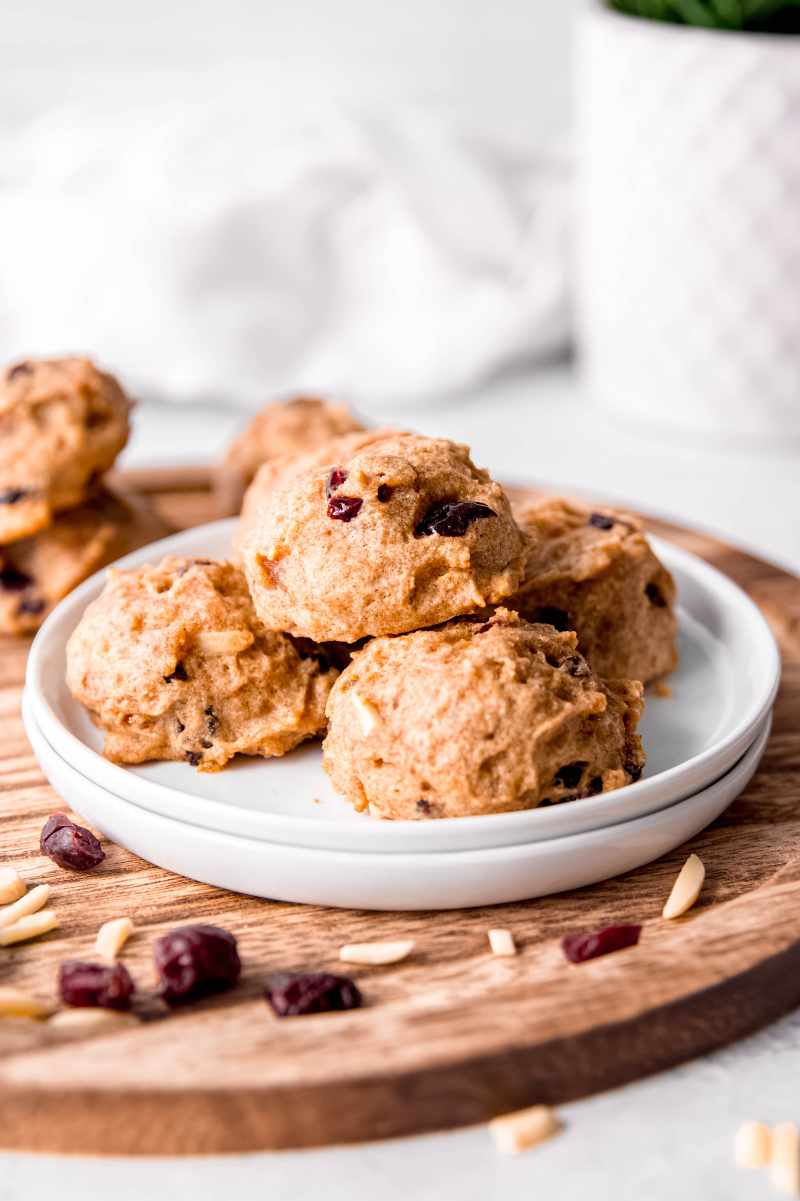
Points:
x=450 y=1036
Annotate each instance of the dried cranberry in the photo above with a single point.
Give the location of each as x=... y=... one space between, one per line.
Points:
x=452 y=518
x=344 y=508
x=655 y=596
x=212 y=721
x=179 y=724
x=12 y=496
x=549 y=615
x=424 y=806
x=335 y=480
x=12 y=580
x=634 y=770
x=569 y=776
x=32 y=606
x=594 y=786
x=193 y=758
x=178 y=674
x=193 y=961
x=95 y=984
x=294 y=994
x=69 y=845
x=23 y=368
x=385 y=493
x=578 y=947
x=601 y=520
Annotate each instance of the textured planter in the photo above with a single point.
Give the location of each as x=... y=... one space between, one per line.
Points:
x=689 y=224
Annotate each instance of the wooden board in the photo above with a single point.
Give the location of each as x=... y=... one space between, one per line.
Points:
x=449 y=1037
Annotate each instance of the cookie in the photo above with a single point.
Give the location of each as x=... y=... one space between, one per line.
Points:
x=477 y=718
x=173 y=663
x=402 y=534
x=62 y=424
x=272 y=475
x=36 y=573
x=288 y=428
x=593 y=571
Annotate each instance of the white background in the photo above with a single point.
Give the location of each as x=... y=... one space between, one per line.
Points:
x=668 y=1137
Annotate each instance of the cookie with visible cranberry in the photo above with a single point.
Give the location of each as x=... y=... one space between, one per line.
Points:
x=594 y=571
x=478 y=718
x=62 y=424
x=36 y=573
x=286 y=428
x=173 y=663
x=404 y=533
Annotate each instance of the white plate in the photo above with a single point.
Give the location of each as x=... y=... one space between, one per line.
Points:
x=352 y=880
x=723 y=689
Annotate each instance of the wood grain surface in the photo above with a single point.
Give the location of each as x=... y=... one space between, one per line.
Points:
x=448 y=1037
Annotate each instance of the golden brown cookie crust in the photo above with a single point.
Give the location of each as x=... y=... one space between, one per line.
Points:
x=173 y=663
x=478 y=718
x=271 y=476
x=62 y=424
x=287 y=428
x=36 y=573
x=365 y=549
x=593 y=570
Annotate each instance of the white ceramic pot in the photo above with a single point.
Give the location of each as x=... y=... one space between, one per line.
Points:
x=689 y=224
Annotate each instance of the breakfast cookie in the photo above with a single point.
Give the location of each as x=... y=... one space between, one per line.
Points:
x=272 y=475
x=478 y=717
x=173 y=663
x=62 y=424
x=593 y=571
x=37 y=572
x=287 y=428
x=402 y=534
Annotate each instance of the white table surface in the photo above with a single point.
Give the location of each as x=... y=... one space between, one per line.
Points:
x=667 y=1137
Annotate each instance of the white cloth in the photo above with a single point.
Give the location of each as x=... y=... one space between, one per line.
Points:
x=233 y=249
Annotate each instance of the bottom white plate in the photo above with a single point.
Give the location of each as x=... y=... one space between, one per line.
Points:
x=352 y=880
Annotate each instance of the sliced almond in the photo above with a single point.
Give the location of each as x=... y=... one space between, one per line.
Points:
x=14 y=1003
x=112 y=936
x=515 y=1132
x=753 y=1145
x=12 y=886
x=366 y=713
x=376 y=952
x=686 y=888
x=224 y=642
x=30 y=926
x=784 y=1172
x=87 y=1019
x=32 y=901
x=502 y=942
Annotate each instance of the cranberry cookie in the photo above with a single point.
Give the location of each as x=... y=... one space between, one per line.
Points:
x=173 y=663
x=593 y=571
x=402 y=534
x=288 y=428
x=62 y=423
x=478 y=717
x=37 y=572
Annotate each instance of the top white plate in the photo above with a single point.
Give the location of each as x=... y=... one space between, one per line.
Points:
x=722 y=690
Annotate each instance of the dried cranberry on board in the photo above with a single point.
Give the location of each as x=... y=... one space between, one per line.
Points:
x=292 y=994
x=69 y=845
x=579 y=947
x=452 y=518
x=102 y=985
x=192 y=961
x=344 y=508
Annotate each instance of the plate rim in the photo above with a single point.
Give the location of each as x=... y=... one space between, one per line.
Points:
x=510 y=827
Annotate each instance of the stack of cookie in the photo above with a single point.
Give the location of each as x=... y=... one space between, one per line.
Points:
x=461 y=659
x=62 y=425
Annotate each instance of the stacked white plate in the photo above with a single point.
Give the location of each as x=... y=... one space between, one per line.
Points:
x=275 y=828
